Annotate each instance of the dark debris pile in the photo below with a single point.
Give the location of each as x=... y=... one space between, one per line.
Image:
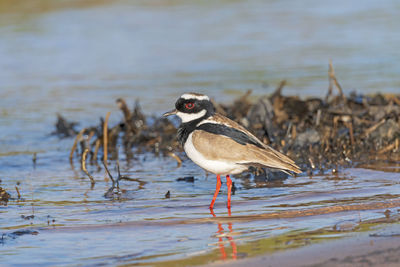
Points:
x=324 y=134
x=4 y=197
x=319 y=134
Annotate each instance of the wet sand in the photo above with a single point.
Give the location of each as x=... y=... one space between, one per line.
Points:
x=376 y=248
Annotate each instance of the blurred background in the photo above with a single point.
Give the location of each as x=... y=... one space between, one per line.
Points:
x=66 y=54
x=78 y=57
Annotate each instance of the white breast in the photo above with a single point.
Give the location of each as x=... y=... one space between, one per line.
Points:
x=214 y=166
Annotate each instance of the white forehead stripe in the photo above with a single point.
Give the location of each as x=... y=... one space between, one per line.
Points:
x=213 y=121
x=186 y=117
x=192 y=96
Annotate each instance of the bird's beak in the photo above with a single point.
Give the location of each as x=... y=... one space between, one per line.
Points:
x=169 y=113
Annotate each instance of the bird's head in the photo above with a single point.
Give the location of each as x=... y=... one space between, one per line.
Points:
x=192 y=106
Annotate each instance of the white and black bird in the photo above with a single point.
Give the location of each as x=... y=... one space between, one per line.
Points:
x=220 y=145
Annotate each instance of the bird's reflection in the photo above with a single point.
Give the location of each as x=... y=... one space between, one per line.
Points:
x=228 y=235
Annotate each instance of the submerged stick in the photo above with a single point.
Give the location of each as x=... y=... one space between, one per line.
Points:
x=119 y=172
x=105 y=138
x=108 y=172
x=78 y=136
x=84 y=166
x=173 y=155
x=96 y=150
x=19 y=195
x=34 y=158
x=91 y=134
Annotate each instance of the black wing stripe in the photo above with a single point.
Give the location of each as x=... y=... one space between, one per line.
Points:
x=236 y=135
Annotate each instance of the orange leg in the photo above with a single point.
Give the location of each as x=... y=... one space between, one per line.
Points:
x=216 y=191
x=229 y=184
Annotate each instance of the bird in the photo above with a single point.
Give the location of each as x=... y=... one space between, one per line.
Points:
x=220 y=145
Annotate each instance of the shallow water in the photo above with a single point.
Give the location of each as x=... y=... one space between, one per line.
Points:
x=145 y=227
x=77 y=60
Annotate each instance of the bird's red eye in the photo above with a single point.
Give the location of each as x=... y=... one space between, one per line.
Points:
x=189 y=105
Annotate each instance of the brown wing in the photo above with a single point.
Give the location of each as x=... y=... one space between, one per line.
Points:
x=269 y=150
x=219 y=147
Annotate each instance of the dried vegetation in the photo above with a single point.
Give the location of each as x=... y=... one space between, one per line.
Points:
x=319 y=134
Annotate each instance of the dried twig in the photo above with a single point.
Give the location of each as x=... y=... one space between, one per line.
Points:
x=392 y=98
x=124 y=108
x=119 y=172
x=294 y=132
x=318 y=119
x=311 y=163
x=349 y=126
x=78 y=136
x=108 y=172
x=333 y=80
x=374 y=127
x=278 y=90
x=105 y=138
x=96 y=151
x=84 y=166
x=34 y=158
x=91 y=134
x=289 y=129
x=246 y=95
x=387 y=148
x=335 y=125
x=173 y=155
x=392 y=146
x=19 y=195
